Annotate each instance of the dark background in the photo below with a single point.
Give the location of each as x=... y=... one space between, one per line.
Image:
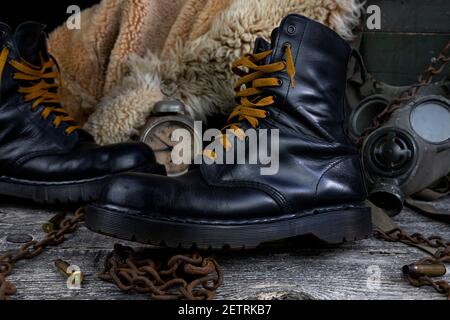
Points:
x=413 y=31
x=50 y=12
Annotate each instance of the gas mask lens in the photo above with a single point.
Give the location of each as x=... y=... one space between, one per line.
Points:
x=363 y=115
x=430 y=119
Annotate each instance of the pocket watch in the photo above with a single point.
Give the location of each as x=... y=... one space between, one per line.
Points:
x=168 y=116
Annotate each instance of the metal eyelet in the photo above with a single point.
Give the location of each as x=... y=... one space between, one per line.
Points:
x=280 y=82
x=291 y=29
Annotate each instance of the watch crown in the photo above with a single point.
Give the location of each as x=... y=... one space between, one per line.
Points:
x=169 y=106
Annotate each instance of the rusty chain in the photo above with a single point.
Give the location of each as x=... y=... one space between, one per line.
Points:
x=34 y=248
x=436 y=67
x=122 y=267
x=427 y=266
x=181 y=277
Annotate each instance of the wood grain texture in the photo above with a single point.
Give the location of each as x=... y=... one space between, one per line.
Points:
x=295 y=270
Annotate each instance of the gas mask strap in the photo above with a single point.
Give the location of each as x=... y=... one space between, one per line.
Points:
x=385 y=227
x=360 y=61
x=422 y=201
x=428 y=209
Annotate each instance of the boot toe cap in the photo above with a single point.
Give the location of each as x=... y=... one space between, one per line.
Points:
x=130 y=157
x=90 y=161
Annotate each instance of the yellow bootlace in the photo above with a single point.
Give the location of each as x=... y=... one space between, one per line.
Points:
x=249 y=89
x=42 y=92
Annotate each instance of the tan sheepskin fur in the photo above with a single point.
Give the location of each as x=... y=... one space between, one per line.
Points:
x=94 y=59
x=197 y=71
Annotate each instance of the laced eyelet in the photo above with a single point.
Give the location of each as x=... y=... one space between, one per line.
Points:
x=280 y=82
x=39 y=90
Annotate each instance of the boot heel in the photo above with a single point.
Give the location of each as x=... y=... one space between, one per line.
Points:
x=345 y=226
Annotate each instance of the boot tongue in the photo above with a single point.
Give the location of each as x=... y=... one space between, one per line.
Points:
x=273 y=41
x=273 y=37
x=262 y=45
x=31 y=42
x=5 y=30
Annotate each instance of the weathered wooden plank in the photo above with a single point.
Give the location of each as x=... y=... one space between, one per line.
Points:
x=296 y=270
x=424 y=16
x=399 y=59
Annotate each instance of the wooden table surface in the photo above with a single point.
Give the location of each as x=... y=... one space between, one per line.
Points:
x=367 y=269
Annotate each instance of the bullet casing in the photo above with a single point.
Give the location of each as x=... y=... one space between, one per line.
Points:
x=430 y=270
x=63 y=267
x=53 y=223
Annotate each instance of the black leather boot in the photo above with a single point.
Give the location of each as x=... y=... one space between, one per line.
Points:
x=44 y=155
x=296 y=84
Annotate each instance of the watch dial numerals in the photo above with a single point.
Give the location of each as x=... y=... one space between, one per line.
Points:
x=159 y=138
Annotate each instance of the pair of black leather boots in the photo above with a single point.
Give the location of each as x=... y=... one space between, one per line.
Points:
x=295 y=84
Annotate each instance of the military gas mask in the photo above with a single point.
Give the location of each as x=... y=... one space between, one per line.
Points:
x=409 y=151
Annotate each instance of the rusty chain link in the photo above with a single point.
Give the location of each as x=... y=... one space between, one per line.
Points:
x=34 y=248
x=179 y=277
x=436 y=67
x=435 y=261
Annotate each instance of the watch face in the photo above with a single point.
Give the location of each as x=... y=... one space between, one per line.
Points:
x=158 y=135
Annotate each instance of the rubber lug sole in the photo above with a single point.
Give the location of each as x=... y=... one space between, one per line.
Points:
x=331 y=227
x=53 y=193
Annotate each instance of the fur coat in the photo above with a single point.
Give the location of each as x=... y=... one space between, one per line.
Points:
x=182 y=52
